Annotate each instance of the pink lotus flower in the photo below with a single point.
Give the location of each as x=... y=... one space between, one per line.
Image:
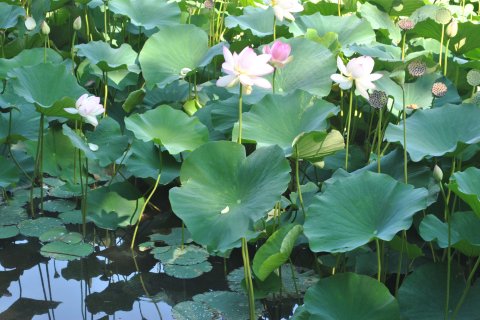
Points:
x=88 y=108
x=280 y=53
x=358 y=70
x=284 y=8
x=246 y=68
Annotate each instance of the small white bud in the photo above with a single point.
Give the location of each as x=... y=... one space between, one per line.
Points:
x=77 y=23
x=452 y=28
x=30 y=23
x=45 y=28
x=437 y=173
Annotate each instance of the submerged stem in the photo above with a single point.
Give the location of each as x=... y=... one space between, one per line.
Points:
x=248 y=278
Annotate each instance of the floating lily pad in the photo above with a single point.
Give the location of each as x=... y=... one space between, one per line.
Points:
x=438 y=131
x=36 y=227
x=187 y=310
x=230 y=305
x=173 y=238
x=276 y=251
x=278 y=120
x=8 y=232
x=107 y=58
x=161 y=125
x=349 y=296
x=73 y=217
x=63 y=251
x=58 y=205
x=187 y=272
x=10 y=215
x=363 y=215
x=53 y=234
x=147 y=14
x=225 y=191
x=187 y=48
x=422 y=294
x=466 y=185
x=187 y=256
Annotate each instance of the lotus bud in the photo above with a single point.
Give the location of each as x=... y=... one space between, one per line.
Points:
x=437 y=173
x=30 y=23
x=45 y=28
x=77 y=23
x=452 y=28
x=439 y=89
x=378 y=99
x=443 y=16
x=417 y=68
x=473 y=77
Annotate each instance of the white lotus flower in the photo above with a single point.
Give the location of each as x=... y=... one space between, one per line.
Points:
x=284 y=8
x=88 y=108
x=30 y=23
x=358 y=70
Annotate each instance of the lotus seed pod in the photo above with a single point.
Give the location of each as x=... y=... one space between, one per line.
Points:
x=378 y=99
x=443 y=16
x=437 y=173
x=30 y=23
x=406 y=24
x=45 y=28
x=77 y=23
x=475 y=99
x=417 y=68
x=209 y=4
x=452 y=28
x=439 y=89
x=473 y=77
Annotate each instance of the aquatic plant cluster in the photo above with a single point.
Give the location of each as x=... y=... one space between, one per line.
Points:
x=333 y=144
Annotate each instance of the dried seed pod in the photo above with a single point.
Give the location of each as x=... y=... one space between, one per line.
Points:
x=417 y=68
x=378 y=99
x=439 y=89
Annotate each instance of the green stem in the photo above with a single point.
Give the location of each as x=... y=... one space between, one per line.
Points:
x=339 y=8
x=72 y=51
x=405 y=158
x=349 y=121
x=297 y=180
x=240 y=101
x=441 y=45
x=404 y=38
x=274 y=28
x=273 y=80
x=292 y=269
x=379 y=260
x=467 y=288
x=248 y=279
x=183 y=235
x=379 y=141
x=143 y=209
x=446 y=58
x=105 y=98
x=449 y=251
x=400 y=260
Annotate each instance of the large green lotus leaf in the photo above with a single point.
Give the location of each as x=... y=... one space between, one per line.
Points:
x=110 y=141
x=8 y=232
x=60 y=250
x=257 y=20
x=309 y=70
x=147 y=14
x=348 y=296
x=224 y=192
x=380 y=20
x=36 y=227
x=422 y=294
x=114 y=206
x=25 y=124
x=380 y=51
x=46 y=84
x=143 y=161
x=316 y=145
x=9 y=15
x=406 y=8
x=464 y=234
x=9 y=173
x=278 y=120
x=161 y=125
x=187 y=48
x=354 y=210
x=108 y=58
x=435 y=132
x=276 y=251
x=350 y=29
x=78 y=142
x=28 y=57
x=466 y=185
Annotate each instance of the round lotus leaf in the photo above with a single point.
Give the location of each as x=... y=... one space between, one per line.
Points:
x=147 y=14
x=257 y=20
x=53 y=234
x=66 y=191
x=8 y=232
x=161 y=125
x=278 y=120
x=24 y=125
x=28 y=57
x=422 y=294
x=35 y=83
x=466 y=185
x=316 y=145
x=9 y=15
x=380 y=20
x=9 y=173
x=435 y=132
x=354 y=210
x=107 y=58
x=224 y=192
x=63 y=251
x=187 y=48
x=347 y=296
x=173 y=238
x=72 y=217
x=231 y=305
x=187 y=256
x=58 y=205
x=10 y=215
x=187 y=310
x=72 y=238
x=36 y=227
x=189 y=271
